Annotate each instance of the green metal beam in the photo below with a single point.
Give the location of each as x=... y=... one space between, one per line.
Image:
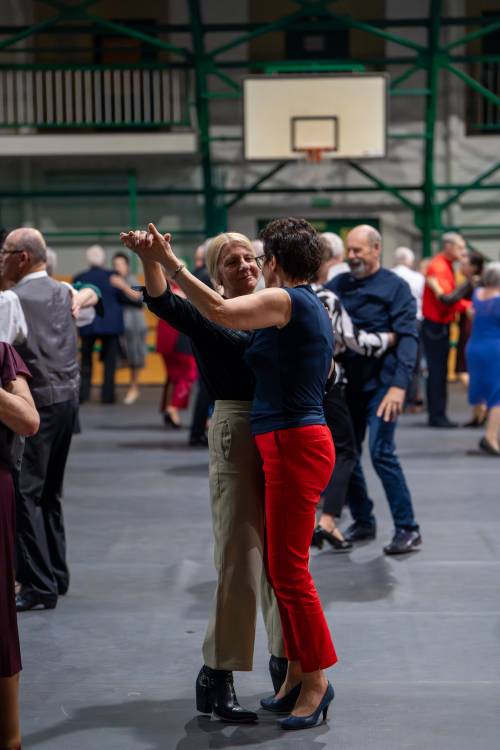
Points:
x=124 y=30
x=489 y=29
x=475 y=85
x=465 y=188
x=37 y=28
x=407 y=74
x=214 y=218
x=255 y=185
x=381 y=184
x=427 y=218
x=370 y=29
x=279 y=25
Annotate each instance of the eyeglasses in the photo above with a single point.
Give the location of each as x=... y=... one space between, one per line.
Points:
x=260 y=260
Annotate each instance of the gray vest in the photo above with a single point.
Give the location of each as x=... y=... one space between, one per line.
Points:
x=50 y=350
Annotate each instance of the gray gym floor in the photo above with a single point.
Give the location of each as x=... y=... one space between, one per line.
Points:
x=113 y=667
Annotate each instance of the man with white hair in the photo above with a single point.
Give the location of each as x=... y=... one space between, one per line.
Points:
x=404 y=260
x=49 y=349
x=337 y=262
x=436 y=326
x=107 y=328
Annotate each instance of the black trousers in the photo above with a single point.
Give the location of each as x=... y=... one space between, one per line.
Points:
x=109 y=355
x=41 y=542
x=200 y=413
x=436 y=341
x=339 y=421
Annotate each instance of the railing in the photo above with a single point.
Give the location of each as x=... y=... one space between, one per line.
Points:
x=93 y=97
x=483 y=114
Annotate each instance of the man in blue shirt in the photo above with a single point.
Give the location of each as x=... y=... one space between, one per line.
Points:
x=108 y=328
x=378 y=300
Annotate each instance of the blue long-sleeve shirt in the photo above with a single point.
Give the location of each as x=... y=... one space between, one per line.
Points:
x=377 y=303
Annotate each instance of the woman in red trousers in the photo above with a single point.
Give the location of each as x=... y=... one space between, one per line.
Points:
x=180 y=367
x=291 y=356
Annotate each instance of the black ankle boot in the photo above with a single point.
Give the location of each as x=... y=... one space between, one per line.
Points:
x=215 y=694
x=278 y=666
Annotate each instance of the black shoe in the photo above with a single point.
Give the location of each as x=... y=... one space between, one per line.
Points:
x=29 y=599
x=444 y=423
x=488 y=448
x=169 y=422
x=317 y=539
x=475 y=422
x=278 y=666
x=198 y=442
x=283 y=705
x=215 y=694
x=403 y=541
x=339 y=545
x=357 y=532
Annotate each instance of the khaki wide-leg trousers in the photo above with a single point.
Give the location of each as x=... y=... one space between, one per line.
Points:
x=237 y=498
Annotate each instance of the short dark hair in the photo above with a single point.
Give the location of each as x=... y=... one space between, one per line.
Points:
x=122 y=255
x=476 y=260
x=296 y=246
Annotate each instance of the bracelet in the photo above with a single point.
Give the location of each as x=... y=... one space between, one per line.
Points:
x=177 y=270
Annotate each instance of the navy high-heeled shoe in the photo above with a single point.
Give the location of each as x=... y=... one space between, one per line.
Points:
x=314 y=719
x=283 y=705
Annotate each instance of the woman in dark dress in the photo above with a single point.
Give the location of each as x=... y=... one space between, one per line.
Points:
x=17 y=415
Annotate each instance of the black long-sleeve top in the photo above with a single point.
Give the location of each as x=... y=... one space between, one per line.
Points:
x=218 y=351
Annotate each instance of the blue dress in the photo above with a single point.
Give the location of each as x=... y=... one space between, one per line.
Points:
x=483 y=352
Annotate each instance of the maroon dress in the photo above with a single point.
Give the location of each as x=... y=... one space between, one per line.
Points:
x=11 y=365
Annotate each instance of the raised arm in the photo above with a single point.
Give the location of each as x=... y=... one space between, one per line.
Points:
x=269 y=307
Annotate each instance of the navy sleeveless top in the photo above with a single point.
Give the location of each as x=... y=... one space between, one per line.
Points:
x=291 y=366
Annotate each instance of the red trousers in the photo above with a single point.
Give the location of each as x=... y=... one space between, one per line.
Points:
x=298 y=464
x=181 y=375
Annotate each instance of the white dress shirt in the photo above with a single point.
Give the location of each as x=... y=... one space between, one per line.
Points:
x=13 y=328
x=415 y=281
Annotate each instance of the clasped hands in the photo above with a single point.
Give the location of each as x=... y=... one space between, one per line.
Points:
x=151 y=246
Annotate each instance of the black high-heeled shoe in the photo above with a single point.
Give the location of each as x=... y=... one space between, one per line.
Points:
x=215 y=695
x=339 y=545
x=169 y=422
x=317 y=539
x=283 y=705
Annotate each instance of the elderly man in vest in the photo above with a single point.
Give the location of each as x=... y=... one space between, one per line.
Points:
x=50 y=352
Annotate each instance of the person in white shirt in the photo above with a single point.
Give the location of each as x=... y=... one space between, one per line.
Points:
x=13 y=328
x=404 y=259
x=337 y=263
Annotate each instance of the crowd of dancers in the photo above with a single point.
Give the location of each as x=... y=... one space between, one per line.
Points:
x=299 y=374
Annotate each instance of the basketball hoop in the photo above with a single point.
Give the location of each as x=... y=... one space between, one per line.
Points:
x=314 y=155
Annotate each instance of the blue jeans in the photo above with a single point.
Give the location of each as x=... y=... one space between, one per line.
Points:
x=363 y=408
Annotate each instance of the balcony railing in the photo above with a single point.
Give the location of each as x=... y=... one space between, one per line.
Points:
x=93 y=97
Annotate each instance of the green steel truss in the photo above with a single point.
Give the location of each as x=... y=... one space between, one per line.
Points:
x=428 y=200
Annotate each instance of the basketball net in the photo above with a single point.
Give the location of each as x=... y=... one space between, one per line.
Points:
x=314 y=155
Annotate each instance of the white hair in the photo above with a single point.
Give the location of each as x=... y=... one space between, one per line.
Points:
x=51 y=261
x=335 y=242
x=404 y=256
x=451 y=238
x=95 y=255
x=491 y=274
x=258 y=246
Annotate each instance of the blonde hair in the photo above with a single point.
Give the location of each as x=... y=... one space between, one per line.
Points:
x=217 y=245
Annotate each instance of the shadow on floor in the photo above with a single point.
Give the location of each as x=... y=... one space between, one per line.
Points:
x=156 y=724
x=349 y=581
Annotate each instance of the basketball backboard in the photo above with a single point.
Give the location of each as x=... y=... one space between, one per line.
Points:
x=287 y=116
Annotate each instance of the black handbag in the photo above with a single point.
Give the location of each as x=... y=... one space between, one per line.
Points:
x=11 y=448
